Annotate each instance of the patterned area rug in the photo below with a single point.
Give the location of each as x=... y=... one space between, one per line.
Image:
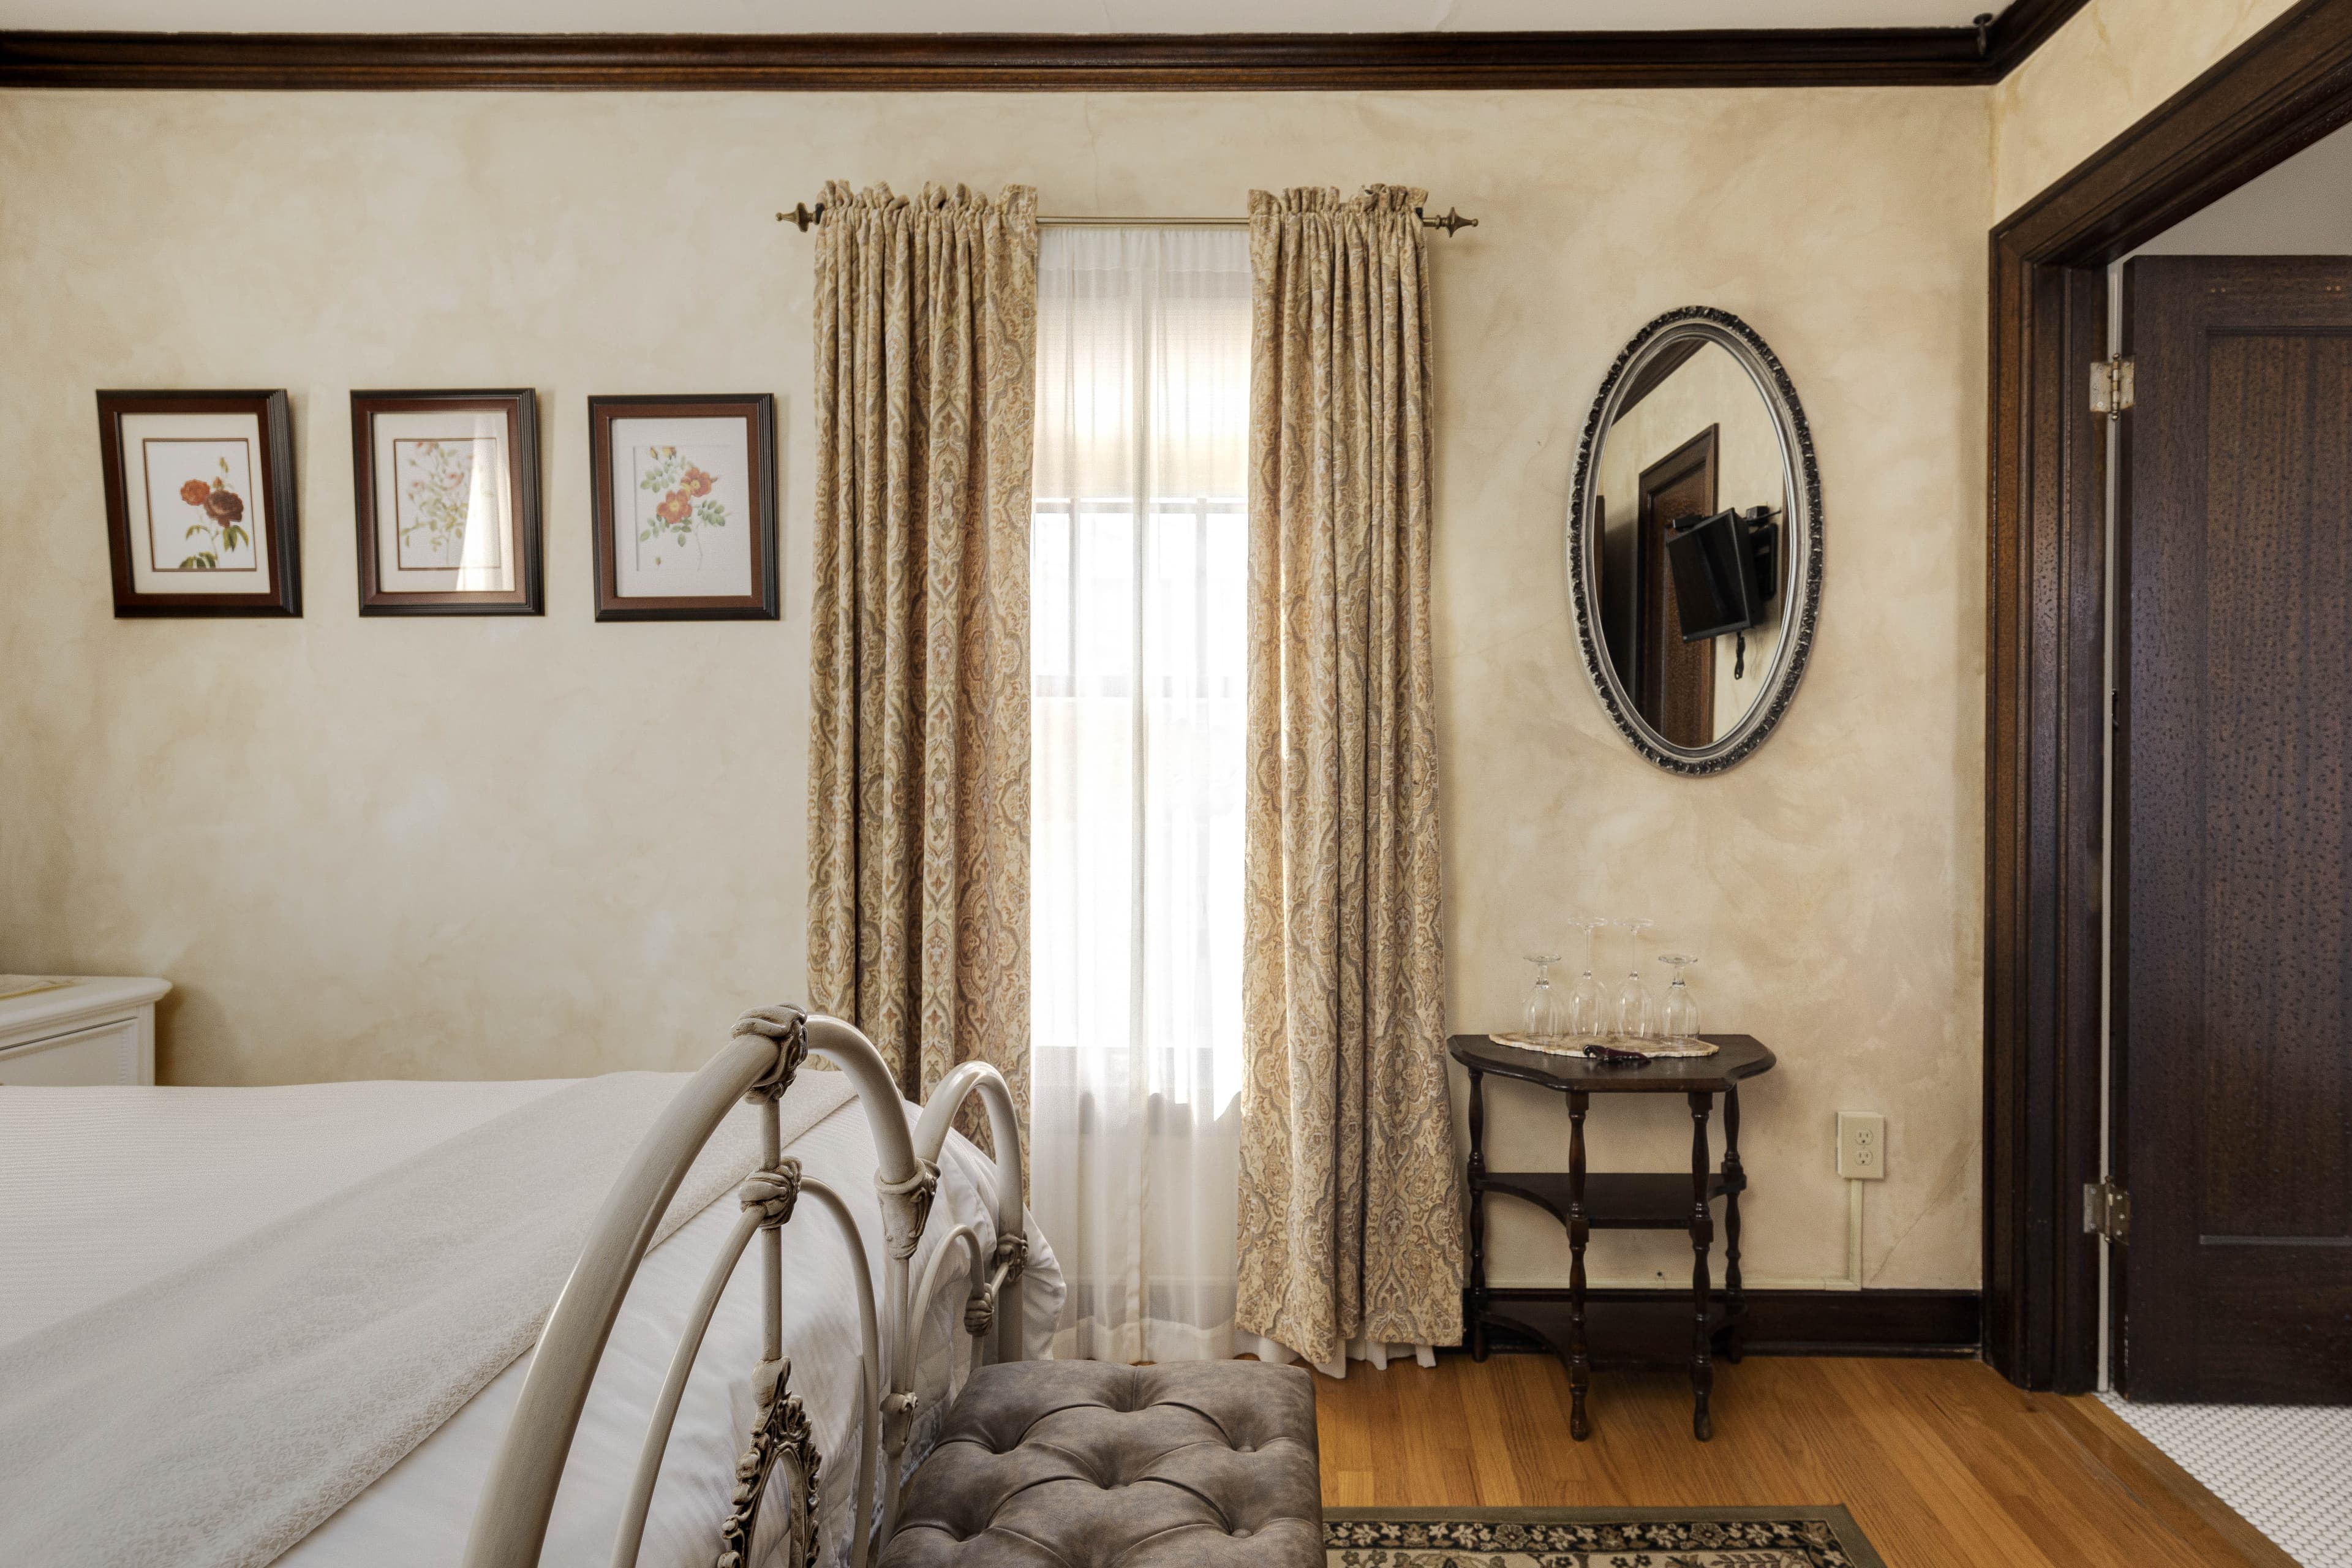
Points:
x=1594 y=1537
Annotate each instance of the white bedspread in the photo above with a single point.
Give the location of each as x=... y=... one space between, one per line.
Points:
x=102 y=1190
x=236 y=1159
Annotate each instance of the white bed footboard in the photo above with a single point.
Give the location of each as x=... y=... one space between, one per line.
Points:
x=767 y=1048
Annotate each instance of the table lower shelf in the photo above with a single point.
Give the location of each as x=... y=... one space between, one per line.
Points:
x=1621 y=1328
x=1613 y=1200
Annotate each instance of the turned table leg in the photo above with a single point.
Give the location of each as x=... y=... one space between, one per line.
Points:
x=1702 y=1233
x=1580 y=1356
x=1477 y=1217
x=1735 y=1300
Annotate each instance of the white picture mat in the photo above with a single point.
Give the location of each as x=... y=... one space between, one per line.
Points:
x=151 y=524
x=713 y=562
x=486 y=561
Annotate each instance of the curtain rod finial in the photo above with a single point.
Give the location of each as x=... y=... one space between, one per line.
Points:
x=802 y=215
x=1453 y=223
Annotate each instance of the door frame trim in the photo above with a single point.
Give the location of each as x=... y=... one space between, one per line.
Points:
x=2046 y=720
x=1696 y=456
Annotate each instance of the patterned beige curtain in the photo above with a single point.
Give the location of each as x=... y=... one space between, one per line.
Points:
x=918 y=664
x=1350 y=1201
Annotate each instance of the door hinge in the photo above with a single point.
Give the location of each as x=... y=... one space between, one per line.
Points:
x=2106 y=1210
x=2111 y=387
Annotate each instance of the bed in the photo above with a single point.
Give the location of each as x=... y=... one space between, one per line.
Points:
x=241 y=1326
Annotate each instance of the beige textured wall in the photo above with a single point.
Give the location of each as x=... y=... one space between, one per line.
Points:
x=2112 y=63
x=437 y=847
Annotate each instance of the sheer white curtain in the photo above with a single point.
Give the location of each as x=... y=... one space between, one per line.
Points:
x=1138 y=567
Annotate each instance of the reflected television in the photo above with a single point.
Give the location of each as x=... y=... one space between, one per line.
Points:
x=1725 y=571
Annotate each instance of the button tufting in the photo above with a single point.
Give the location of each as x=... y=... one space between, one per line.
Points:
x=1049 y=1414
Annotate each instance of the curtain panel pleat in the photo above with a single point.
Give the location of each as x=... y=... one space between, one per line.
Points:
x=1350 y=1207
x=919 y=756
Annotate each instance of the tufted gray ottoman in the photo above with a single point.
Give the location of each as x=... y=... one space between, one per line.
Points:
x=1081 y=1464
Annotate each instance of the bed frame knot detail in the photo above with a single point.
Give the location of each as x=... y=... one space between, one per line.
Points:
x=907 y=1206
x=772 y=1192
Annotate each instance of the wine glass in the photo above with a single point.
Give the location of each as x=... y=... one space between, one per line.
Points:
x=1588 y=1005
x=1678 y=1019
x=1544 y=1017
x=1637 y=1010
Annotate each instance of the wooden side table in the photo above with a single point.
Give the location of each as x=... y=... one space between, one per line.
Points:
x=1583 y=1201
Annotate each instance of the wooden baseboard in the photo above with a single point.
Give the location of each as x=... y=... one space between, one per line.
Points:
x=1929 y=1323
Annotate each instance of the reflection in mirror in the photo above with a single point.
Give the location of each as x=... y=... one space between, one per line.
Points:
x=1692 y=440
x=1695 y=541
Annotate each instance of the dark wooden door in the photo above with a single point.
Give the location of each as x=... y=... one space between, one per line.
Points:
x=1675 y=681
x=2233 y=857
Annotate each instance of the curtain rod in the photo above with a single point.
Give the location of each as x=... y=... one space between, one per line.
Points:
x=806 y=217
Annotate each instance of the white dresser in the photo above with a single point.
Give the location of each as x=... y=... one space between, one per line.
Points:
x=97 y=1030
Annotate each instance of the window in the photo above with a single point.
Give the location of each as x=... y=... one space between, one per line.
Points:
x=1139 y=569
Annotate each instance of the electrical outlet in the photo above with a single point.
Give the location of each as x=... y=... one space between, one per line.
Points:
x=1862 y=1145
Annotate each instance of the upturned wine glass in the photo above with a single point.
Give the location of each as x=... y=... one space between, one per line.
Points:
x=1588 y=1004
x=1678 y=1017
x=1637 y=1009
x=1544 y=1017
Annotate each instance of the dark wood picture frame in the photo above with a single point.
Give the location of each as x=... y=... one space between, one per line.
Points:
x=520 y=407
x=2047 y=709
x=758 y=412
x=280 y=552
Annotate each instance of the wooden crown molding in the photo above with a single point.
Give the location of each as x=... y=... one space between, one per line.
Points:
x=1029 y=62
x=2022 y=29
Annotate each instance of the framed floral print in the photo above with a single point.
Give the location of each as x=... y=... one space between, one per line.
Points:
x=684 y=506
x=447 y=502
x=200 y=508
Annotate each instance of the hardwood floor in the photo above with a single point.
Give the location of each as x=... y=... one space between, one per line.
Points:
x=1941 y=1462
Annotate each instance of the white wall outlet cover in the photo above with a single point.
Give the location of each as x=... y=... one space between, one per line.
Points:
x=1862 y=1145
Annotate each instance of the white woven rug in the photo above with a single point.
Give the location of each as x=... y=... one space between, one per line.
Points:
x=2287 y=1468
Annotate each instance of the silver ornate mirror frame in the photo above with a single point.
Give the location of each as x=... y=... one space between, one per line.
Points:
x=1801 y=604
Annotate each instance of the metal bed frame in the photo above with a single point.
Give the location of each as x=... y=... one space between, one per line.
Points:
x=766 y=1049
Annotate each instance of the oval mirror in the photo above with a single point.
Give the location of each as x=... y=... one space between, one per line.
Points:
x=1695 y=541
